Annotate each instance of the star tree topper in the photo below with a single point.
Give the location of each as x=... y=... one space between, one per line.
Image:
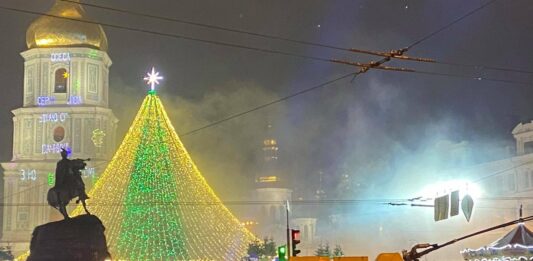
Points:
x=152 y=79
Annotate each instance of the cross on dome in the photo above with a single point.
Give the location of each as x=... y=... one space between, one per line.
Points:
x=152 y=79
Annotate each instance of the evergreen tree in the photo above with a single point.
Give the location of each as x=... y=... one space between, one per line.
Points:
x=255 y=248
x=155 y=203
x=323 y=250
x=263 y=250
x=338 y=251
x=270 y=248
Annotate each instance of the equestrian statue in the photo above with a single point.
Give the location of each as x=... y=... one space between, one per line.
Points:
x=68 y=184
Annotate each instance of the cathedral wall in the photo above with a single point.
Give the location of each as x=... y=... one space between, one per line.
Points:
x=26 y=185
x=25 y=190
x=65 y=105
x=39 y=133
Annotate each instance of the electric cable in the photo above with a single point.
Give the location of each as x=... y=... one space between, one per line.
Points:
x=283 y=53
x=214 y=123
x=308 y=43
x=426 y=37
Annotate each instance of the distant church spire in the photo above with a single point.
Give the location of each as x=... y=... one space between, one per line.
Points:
x=270 y=146
x=268 y=175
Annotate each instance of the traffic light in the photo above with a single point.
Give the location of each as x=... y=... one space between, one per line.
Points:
x=282 y=252
x=295 y=241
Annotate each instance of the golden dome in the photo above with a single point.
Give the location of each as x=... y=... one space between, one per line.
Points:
x=47 y=31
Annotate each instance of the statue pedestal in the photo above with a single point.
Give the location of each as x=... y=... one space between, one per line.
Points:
x=78 y=238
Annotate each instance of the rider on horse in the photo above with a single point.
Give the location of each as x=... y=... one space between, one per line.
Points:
x=68 y=184
x=63 y=171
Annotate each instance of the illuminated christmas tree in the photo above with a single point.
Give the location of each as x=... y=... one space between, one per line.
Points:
x=154 y=201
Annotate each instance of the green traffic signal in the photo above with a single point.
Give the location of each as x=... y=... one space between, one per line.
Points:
x=282 y=252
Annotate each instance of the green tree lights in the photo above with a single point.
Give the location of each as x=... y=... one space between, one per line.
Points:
x=155 y=203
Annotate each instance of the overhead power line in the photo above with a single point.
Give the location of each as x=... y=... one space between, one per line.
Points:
x=426 y=37
x=499 y=172
x=475 y=66
x=262 y=106
x=514 y=167
x=224 y=202
x=262 y=35
x=178 y=36
x=365 y=67
x=268 y=104
x=383 y=202
x=281 y=100
x=401 y=52
x=392 y=54
x=375 y=65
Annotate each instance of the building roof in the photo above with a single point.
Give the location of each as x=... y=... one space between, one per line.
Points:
x=519 y=235
x=515 y=244
x=51 y=31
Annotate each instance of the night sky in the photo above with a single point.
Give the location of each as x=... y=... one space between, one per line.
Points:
x=371 y=128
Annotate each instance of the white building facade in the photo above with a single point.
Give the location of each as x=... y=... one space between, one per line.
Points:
x=65 y=105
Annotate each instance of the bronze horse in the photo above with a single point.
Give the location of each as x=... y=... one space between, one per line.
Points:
x=59 y=196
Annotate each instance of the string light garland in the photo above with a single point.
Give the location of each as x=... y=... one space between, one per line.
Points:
x=515 y=245
x=143 y=197
x=98 y=138
x=153 y=166
x=504 y=258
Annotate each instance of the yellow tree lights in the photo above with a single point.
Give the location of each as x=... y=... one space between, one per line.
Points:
x=154 y=202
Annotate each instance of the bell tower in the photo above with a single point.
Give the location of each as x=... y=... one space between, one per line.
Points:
x=65 y=105
x=271 y=185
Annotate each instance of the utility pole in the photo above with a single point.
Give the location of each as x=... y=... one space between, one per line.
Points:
x=288 y=230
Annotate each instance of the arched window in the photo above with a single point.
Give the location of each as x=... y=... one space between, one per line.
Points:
x=61 y=81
